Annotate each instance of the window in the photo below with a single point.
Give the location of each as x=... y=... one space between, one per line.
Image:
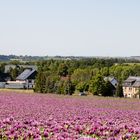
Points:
x=130 y=88
x=30 y=81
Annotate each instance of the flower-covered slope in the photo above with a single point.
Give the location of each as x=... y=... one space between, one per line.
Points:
x=53 y=117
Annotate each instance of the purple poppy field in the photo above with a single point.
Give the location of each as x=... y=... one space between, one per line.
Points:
x=54 y=117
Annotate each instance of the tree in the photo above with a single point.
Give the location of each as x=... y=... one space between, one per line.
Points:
x=82 y=86
x=2 y=67
x=81 y=75
x=59 y=87
x=105 y=71
x=108 y=89
x=64 y=86
x=97 y=85
x=14 y=72
x=68 y=87
x=119 y=90
x=40 y=82
x=63 y=69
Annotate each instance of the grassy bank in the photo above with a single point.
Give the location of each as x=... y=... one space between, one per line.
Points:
x=16 y=90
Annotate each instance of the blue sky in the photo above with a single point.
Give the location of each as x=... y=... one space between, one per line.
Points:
x=70 y=27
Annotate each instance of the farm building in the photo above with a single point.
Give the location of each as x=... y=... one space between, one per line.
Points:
x=2 y=83
x=25 y=80
x=112 y=80
x=3 y=78
x=131 y=87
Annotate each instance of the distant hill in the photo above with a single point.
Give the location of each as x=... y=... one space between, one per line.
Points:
x=5 y=57
x=20 y=58
x=27 y=58
x=35 y=58
x=135 y=57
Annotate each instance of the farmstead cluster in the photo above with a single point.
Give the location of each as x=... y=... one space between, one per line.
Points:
x=103 y=77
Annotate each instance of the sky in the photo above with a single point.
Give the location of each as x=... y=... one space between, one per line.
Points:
x=70 y=27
